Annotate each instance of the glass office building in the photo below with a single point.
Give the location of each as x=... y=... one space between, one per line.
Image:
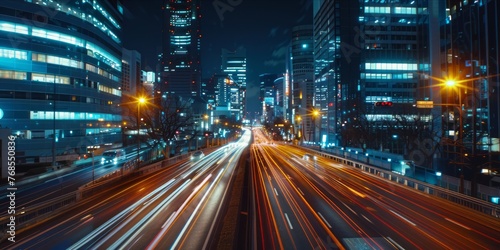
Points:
x=234 y=64
x=180 y=62
x=374 y=52
x=302 y=74
x=60 y=76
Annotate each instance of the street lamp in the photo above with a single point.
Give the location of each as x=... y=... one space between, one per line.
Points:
x=299 y=130
x=205 y=124
x=315 y=114
x=454 y=84
x=140 y=101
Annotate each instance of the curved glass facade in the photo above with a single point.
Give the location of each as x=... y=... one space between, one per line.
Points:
x=60 y=76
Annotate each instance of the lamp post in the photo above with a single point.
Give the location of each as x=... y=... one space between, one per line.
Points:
x=140 y=101
x=299 y=130
x=453 y=83
x=93 y=172
x=205 y=126
x=315 y=114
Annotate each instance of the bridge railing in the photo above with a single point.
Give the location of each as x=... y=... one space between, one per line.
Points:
x=442 y=190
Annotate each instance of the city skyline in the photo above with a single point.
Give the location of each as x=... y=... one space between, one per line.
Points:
x=263 y=28
x=240 y=124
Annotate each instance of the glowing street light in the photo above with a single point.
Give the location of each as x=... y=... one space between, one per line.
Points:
x=454 y=84
x=315 y=114
x=140 y=101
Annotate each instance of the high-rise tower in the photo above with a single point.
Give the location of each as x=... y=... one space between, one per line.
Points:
x=181 y=68
x=302 y=73
x=372 y=52
x=234 y=64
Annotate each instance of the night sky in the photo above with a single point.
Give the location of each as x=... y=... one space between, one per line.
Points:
x=263 y=27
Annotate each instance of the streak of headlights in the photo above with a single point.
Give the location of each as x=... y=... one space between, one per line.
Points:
x=104 y=227
x=166 y=226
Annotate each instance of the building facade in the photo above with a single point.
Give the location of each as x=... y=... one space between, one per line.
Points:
x=131 y=72
x=60 y=76
x=301 y=75
x=375 y=61
x=471 y=52
x=227 y=97
x=234 y=64
x=267 y=96
x=280 y=98
x=180 y=62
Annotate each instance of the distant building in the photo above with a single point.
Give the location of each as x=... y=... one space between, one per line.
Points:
x=267 y=96
x=131 y=72
x=302 y=75
x=227 y=97
x=234 y=64
x=180 y=63
x=148 y=82
x=280 y=98
x=60 y=76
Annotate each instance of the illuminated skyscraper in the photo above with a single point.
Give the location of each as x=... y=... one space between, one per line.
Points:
x=302 y=74
x=472 y=50
x=267 y=96
x=374 y=51
x=60 y=76
x=181 y=68
x=234 y=64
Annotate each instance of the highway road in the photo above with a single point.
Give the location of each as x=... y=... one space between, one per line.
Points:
x=296 y=202
x=316 y=204
x=171 y=208
x=41 y=189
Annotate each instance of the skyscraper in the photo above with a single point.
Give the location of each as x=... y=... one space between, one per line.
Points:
x=226 y=93
x=131 y=73
x=337 y=51
x=472 y=51
x=60 y=76
x=267 y=96
x=302 y=74
x=181 y=67
x=367 y=53
x=234 y=64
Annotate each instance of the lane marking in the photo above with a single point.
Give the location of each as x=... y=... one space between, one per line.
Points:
x=276 y=191
x=300 y=191
x=456 y=223
x=400 y=216
x=289 y=223
x=395 y=243
x=366 y=218
x=323 y=218
x=354 y=212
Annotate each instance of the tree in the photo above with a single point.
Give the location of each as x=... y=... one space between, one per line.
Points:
x=419 y=137
x=172 y=119
x=166 y=118
x=356 y=132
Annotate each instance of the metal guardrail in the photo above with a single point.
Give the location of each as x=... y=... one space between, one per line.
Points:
x=462 y=199
x=36 y=214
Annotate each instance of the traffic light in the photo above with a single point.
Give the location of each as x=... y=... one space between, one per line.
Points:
x=383 y=104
